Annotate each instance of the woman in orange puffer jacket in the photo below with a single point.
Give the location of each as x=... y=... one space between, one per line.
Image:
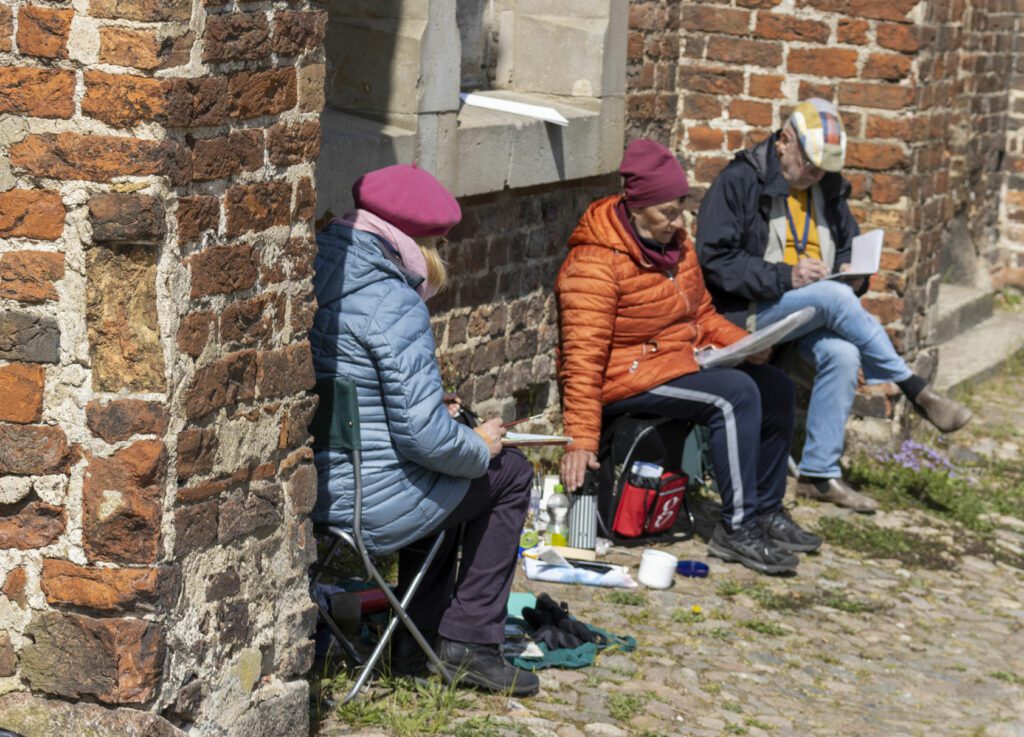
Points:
x=633 y=310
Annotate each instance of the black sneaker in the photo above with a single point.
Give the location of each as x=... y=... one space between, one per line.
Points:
x=750 y=546
x=484 y=667
x=787 y=534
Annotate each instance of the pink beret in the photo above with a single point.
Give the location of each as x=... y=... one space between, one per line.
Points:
x=409 y=198
x=651 y=175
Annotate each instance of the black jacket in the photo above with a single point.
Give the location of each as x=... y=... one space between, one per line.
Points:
x=732 y=229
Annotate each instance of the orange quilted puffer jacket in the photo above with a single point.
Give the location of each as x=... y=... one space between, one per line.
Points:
x=625 y=327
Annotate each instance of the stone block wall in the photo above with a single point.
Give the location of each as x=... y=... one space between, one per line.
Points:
x=922 y=87
x=156 y=196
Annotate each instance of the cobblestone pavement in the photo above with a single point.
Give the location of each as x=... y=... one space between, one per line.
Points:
x=849 y=646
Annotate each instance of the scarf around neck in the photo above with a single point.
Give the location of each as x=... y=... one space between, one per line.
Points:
x=406 y=248
x=663 y=257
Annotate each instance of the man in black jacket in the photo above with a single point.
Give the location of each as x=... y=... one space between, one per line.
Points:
x=772 y=228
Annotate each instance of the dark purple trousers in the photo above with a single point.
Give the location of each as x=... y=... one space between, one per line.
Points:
x=468 y=602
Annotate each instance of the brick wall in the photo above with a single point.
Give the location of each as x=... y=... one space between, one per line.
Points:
x=497 y=325
x=156 y=163
x=922 y=88
x=1010 y=256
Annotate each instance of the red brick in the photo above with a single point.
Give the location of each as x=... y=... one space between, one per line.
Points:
x=195 y=527
x=6 y=27
x=852 y=31
x=294 y=143
x=284 y=372
x=40 y=93
x=197 y=451
x=702 y=107
x=106 y=589
x=766 y=4
x=126 y=218
x=755 y=113
x=702 y=138
x=734 y=139
x=253 y=94
x=31 y=213
x=707 y=168
x=21 y=386
x=305 y=200
x=249 y=322
x=43 y=31
x=236 y=37
x=831 y=6
x=198 y=102
x=121 y=419
x=882 y=9
x=715 y=19
x=897 y=38
x=224 y=156
x=116 y=661
x=826 y=62
x=222 y=269
x=99 y=158
x=878 y=127
x=885 y=96
x=886 y=189
x=811 y=89
x=740 y=51
x=858 y=183
x=28 y=276
x=296 y=31
x=123 y=100
x=713 y=80
x=194 y=333
x=31 y=526
x=257 y=206
x=223 y=383
x=122 y=504
x=892 y=67
x=767 y=86
x=14 y=586
x=197 y=215
x=33 y=450
x=130 y=48
x=886 y=307
x=142 y=10
x=775 y=26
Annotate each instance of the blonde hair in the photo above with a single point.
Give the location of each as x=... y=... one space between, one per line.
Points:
x=437 y=269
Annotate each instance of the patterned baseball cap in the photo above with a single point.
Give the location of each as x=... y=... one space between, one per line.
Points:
x=820 y=131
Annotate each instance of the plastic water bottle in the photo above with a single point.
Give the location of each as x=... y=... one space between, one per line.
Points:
x=558 y=517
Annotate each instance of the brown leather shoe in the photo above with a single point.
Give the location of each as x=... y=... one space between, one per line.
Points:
x=948 y=415
x=837 y=492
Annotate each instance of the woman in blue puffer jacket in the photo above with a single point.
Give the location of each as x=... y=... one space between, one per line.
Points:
x=423 y=472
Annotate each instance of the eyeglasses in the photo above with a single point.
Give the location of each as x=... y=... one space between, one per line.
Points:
x=805 y=162
x=440 y=243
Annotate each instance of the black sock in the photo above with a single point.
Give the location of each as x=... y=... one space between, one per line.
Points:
x=912 y=387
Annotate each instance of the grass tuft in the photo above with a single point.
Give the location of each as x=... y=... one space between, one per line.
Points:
x=881 y=542
x=624 y=706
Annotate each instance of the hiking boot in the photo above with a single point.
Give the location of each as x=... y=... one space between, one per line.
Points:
x=835 y=491
x=787 y=534
x=750 y=546
x=405 y=657
x=483 y=667
x=947 y=415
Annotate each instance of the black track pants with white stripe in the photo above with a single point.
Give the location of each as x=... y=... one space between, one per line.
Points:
x=749 y=412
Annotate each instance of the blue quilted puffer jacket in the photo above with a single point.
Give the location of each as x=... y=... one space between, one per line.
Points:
x=372 y=326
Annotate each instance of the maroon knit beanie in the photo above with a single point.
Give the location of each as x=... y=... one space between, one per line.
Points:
x=651 y=175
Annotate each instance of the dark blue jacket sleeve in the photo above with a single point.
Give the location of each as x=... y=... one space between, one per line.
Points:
x=732 y=262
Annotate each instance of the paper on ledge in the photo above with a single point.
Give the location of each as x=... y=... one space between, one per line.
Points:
x=540 y=112
x=865 y=255
x=744 y=348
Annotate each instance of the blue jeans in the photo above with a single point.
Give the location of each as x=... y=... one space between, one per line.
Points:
x=842 y=338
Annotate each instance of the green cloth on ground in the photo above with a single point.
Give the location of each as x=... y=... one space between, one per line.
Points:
x=574 y=657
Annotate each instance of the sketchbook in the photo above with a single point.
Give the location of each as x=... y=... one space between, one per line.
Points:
x=744 y=348
x=865 y=256
x=526 y=438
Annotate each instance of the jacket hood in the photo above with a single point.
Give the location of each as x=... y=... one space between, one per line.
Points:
x=601 y=226
x=349 y=260
x=765 y=163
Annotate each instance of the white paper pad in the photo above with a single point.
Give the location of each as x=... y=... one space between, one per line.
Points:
x=865 y=256
x=527 y=438
x=756 y=342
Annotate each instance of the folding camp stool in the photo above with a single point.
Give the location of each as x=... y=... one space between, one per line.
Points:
x=336 y=426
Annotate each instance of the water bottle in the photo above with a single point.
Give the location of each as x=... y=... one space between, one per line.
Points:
x=645 y=475
x=558 y=516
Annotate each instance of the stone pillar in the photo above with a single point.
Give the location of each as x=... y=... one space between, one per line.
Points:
x=156 y=169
